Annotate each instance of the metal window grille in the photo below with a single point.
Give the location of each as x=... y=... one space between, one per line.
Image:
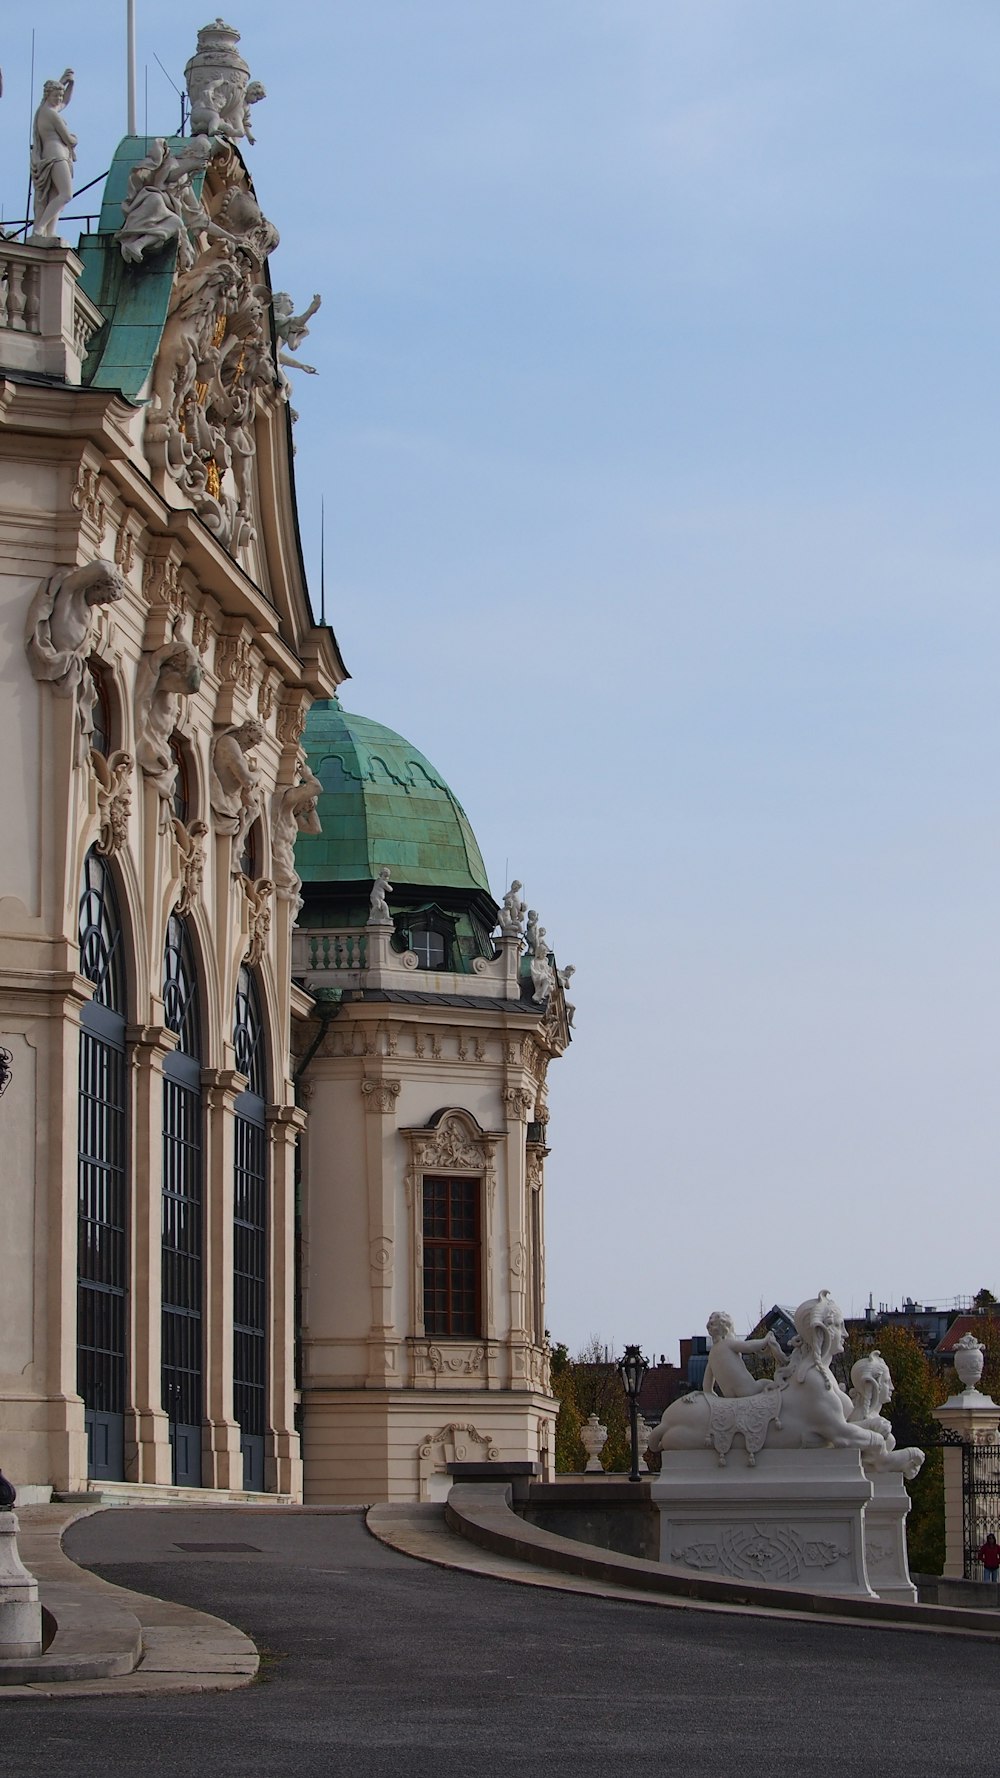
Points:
x=182 y=1210
x=250 y=1216
x=452 y=1256
x=102 y=1178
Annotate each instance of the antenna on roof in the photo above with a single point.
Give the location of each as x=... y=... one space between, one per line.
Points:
x=182 y=96
x=322 y=561
x=130 y=59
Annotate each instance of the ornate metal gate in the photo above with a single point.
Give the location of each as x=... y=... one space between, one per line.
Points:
x=980 y=1502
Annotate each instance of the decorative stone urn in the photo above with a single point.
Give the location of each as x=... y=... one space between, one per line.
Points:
x=969 y=1358
x=594 y=1437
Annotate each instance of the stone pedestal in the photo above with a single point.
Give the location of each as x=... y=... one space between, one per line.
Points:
x=975 y=1419
x=885 y=1539
x=20 y=1611
x=796 y=1520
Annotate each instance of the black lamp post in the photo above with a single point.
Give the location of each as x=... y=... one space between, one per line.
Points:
x=633 y=1369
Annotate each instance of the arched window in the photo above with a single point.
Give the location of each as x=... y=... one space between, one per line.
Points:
x=250 y=1215
x=183 y=1212
x=102 y=1178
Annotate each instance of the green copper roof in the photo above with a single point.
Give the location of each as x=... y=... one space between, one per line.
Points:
x=382 y=803
x=134 y=299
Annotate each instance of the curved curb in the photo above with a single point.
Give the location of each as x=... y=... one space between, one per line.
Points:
x=132 y=1643
x=504 y=1547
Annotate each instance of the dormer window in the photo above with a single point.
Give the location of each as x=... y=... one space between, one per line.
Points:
x=429 y=947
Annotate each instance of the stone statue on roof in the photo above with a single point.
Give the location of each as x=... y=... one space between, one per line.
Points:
x=53 y=151
x=219 y=85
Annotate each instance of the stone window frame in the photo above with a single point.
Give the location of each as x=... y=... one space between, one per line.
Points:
x=451 y=1143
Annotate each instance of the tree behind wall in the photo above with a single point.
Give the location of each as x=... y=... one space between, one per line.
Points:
x=584 y=1385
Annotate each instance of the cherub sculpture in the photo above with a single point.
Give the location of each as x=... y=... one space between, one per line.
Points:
x=379 y=914
x=725 y=1372
x=512 y=912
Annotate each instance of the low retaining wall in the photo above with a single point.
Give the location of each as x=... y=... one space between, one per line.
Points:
x=483 y=1514
x=613 y=1515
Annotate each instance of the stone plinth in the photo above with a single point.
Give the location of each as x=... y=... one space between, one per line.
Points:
x=885 y=1539
x=975 y=1418
x=797 y=1519
x=46 y=320
x=20 y=1611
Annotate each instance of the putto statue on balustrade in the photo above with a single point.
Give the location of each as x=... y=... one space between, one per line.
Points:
x=59 y=633
x=219 y=85
x=165 y=677
x=512 y=912
x=53 y=151
x=234 y=784
x=379 y=914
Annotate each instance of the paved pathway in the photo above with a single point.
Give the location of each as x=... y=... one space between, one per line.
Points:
x=378 y=1666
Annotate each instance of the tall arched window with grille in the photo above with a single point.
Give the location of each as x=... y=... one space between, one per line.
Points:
x=102 y=1178
x=250 y=1234
x=183 y=1209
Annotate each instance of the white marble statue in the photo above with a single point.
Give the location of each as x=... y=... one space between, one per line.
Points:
x=541 y=969
x=531 y=929
x=294 y=811
x=219 y=85
x=291 y=329
x=725 y=1372
x=165 y=676
x=234 y=783
x=512 y=912
x=565 y=977
x=58 y=635
x=805 y=1408
x=53 y=151
x=379 y=914
x=159 y=206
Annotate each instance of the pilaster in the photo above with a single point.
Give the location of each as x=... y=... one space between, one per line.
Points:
x=147 y=1438
x=222 y=1463
x=282 y=1459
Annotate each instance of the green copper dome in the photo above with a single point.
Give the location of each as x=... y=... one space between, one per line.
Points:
x=383 y=803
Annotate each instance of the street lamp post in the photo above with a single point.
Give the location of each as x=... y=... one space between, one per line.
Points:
x=633 y=1369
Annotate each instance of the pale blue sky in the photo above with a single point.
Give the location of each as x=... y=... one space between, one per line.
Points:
x=657 y=428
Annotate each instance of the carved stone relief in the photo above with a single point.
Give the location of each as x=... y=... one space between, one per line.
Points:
x=165 y=676
x=114 y=798
x=381 y=1095
x=191 y=845
x=257 y=896
x=59 y=632
x=293 y=811
x=518 y=1102
x=767 y=1552
x=234 y=784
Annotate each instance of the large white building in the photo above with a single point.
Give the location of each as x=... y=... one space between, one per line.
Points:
x=173 y=1246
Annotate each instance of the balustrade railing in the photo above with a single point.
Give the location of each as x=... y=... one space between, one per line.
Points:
x=19 y=296
x=329 y=952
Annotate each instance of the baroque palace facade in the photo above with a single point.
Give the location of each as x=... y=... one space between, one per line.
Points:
x=272 y=1144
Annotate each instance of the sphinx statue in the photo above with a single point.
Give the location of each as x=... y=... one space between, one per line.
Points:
x=803 y=1407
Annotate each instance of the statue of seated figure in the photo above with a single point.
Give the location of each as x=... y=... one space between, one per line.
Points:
x=725 y=1372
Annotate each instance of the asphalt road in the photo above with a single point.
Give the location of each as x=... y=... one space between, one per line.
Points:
x=377 y=1666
